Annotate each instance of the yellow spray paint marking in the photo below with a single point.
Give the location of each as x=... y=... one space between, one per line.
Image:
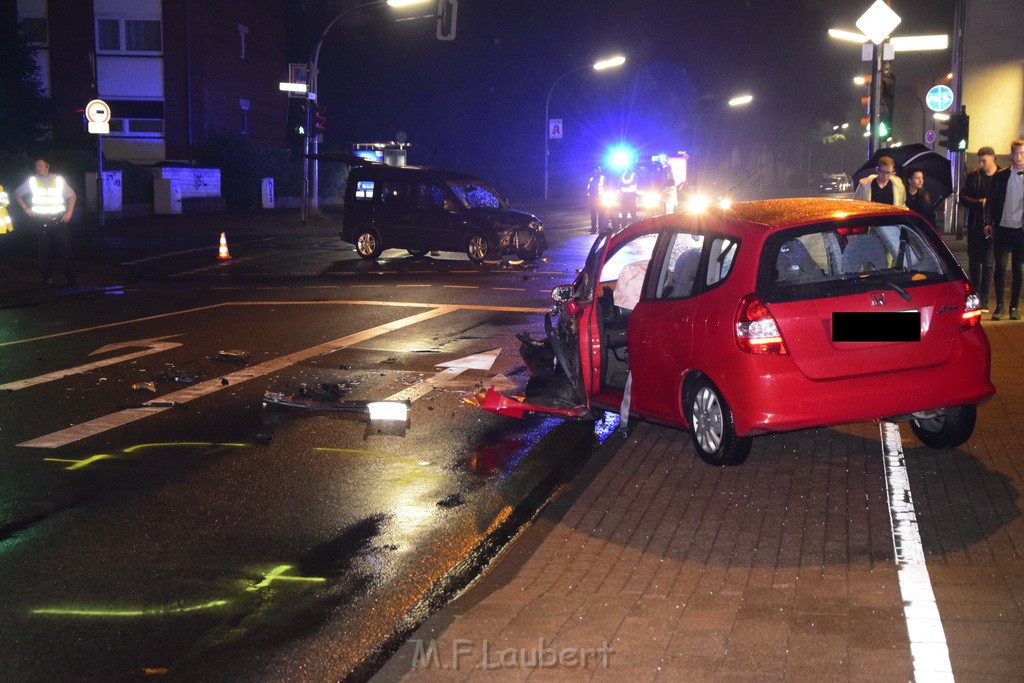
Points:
x=78 y=464
x=276 y=574
x=152 y=612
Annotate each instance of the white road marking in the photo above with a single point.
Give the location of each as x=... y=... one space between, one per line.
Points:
x=452 y=369
x=107 y=422
x=154 y=345
x=928 y=647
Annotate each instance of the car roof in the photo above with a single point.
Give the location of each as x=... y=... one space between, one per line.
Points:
x=782 y=213
x=423 y=172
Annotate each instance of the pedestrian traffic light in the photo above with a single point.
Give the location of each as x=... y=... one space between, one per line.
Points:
x=319 y=121
x=447 y=11
x=953 y=136
x=886 y=106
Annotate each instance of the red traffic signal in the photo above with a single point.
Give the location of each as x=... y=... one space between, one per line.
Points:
x=319 y=122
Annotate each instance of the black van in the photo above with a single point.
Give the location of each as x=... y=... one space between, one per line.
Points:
x=432 y=209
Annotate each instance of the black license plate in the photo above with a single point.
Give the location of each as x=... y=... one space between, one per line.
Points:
x=880 y=326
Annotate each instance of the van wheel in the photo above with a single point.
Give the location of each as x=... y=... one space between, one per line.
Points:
x=478 y=249
x=368 y=244
x=714 y=435
x=948 y=430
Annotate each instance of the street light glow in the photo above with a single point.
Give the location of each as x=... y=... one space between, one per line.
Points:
x=610 y=63
x=840 y=34
x=919 y=43
x=405 y=3
x=860 y=80
x=741 y=100
x=291 y=87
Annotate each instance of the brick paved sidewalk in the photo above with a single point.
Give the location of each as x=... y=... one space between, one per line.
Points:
x=780 y=569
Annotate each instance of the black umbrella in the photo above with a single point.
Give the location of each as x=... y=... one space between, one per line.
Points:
x=938 y=180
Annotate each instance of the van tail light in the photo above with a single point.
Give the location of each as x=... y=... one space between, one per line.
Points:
x=756 y=331
x=972 y=309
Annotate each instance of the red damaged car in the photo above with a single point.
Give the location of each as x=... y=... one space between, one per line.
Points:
x=763 y=317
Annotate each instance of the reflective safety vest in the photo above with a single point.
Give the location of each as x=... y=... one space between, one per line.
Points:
x=5 y=220
x=47 y=201
x=628 y=181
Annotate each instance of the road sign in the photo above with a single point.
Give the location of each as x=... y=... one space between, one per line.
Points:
x=555 y=129
x=97 y=111
x=929 y=137
x=939 y=98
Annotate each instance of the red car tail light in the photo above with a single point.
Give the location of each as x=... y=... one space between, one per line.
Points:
x=972 y=309
x=756 y=331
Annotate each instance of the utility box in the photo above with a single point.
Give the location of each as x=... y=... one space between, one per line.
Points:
x=267 y=193
x=166 y=196
x=111 y=192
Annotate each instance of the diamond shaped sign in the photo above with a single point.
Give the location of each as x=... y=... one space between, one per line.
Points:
x=878 y=22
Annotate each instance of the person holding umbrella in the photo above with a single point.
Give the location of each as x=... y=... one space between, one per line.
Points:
x=918 y=198
x=883 y=186
x=1005 y=214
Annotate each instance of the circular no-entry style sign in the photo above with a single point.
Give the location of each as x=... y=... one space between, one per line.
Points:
x=97 y=111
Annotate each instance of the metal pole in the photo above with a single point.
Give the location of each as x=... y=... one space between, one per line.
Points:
x=305 y=162
x=313 y=137
x=547 y=107
x=874 y=139
x=956 y=159
x=99 y=178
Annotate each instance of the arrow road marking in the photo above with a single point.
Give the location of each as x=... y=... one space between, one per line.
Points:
x=107 y=422
x=153 y=345
x=452 y=369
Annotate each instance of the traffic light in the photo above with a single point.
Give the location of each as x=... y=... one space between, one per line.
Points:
x=955 y=132
x=447 y=10
x=319 y=120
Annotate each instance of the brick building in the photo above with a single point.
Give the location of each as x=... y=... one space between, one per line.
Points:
x=173 y=72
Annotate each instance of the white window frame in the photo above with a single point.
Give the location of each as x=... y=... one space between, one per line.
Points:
x=122 y=36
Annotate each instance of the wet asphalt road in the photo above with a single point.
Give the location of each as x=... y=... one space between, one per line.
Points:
x=157 y=520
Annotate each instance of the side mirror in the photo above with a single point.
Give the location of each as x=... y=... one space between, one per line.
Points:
x=562 y=294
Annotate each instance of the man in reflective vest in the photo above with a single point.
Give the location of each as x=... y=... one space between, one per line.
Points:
x=52 y=205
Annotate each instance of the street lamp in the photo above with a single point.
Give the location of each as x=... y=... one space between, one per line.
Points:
x=311 y=195
x=741 y=100
x=600 y=65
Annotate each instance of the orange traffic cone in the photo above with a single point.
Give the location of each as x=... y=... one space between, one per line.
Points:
x=222 y=252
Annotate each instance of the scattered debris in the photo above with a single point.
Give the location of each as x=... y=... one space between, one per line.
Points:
x=452 y=501
x=144 y=386
x=175 y=375
x=224 y=381
x=232 y=356
x=264 y=438
x=389 y=361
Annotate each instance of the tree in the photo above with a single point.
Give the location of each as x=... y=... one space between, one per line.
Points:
x=23 y=107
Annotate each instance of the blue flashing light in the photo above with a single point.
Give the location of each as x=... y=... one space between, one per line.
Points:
x=620 y=157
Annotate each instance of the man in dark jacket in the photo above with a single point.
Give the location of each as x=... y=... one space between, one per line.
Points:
x=1005 y=214
x=974 y=195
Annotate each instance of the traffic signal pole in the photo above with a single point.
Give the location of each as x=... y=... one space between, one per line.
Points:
x=874 y=140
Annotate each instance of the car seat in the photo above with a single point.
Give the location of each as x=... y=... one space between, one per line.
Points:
x=684 y=272
x=795 y=264
x=863 y=254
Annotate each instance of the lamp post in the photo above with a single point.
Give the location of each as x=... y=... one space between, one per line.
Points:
x=311 y=194
x=601 y=65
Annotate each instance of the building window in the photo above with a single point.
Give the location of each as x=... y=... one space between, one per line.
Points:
x=36 y=30
x=244 y=105
x=243 y=31
x=129 y=35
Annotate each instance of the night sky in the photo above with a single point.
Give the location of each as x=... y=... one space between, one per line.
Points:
x=477 y=103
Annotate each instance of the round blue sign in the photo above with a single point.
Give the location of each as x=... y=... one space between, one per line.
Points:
x=939 y=98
